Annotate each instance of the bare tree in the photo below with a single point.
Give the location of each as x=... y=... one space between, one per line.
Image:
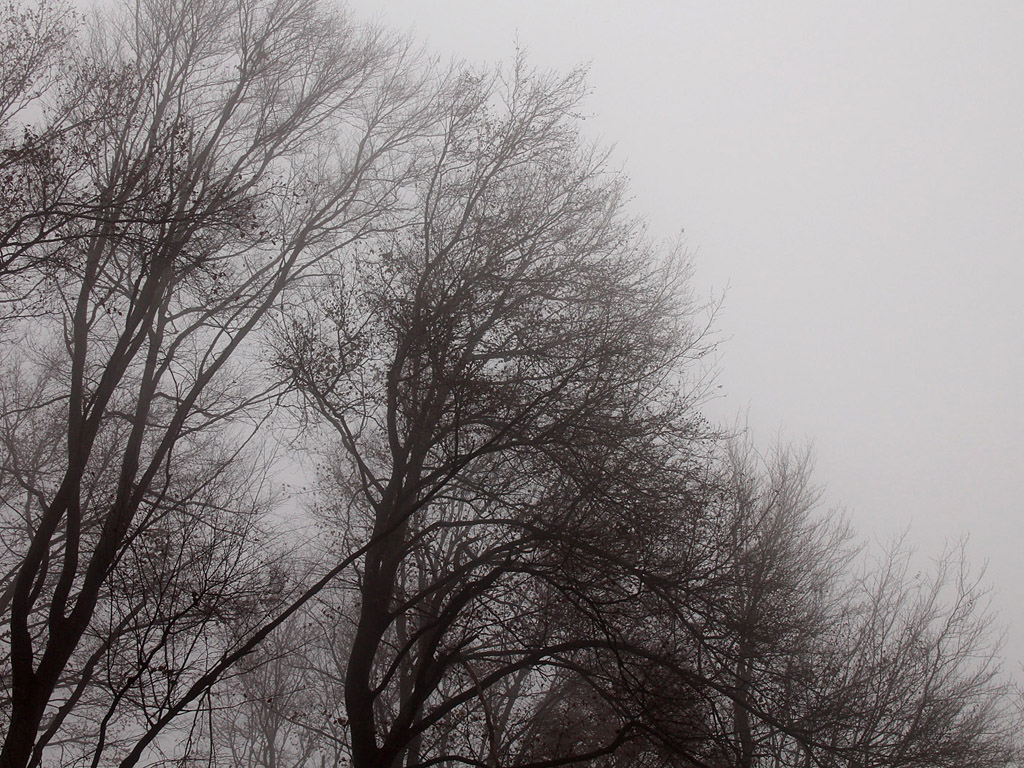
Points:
x=783 y=585
x=832 y=656
x=543 y=558
x=912 y=675
x=283 y=706
x=220 y=152
x=33 y=152
x=506 y=376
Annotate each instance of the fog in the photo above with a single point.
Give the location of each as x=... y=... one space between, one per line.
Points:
x=851 y=177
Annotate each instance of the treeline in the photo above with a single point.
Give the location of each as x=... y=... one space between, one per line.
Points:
x=247 y=242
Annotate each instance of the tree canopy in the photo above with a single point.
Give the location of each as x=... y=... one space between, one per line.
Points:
x=247 y=246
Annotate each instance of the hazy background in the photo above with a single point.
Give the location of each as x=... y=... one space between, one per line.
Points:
x=853 y=174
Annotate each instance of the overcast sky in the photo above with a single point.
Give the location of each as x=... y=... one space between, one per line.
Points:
x=853 y=173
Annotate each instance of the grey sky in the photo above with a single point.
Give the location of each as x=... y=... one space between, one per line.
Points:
x=855 y=173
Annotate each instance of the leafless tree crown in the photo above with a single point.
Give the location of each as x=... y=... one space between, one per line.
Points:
x=243 y=243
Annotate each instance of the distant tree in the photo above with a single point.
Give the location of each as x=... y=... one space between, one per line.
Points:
x=784 y=582
x=835 y=656
x=283 y=705
x=912 y=674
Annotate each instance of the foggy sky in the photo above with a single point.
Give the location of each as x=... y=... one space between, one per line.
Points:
x=853 y=175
